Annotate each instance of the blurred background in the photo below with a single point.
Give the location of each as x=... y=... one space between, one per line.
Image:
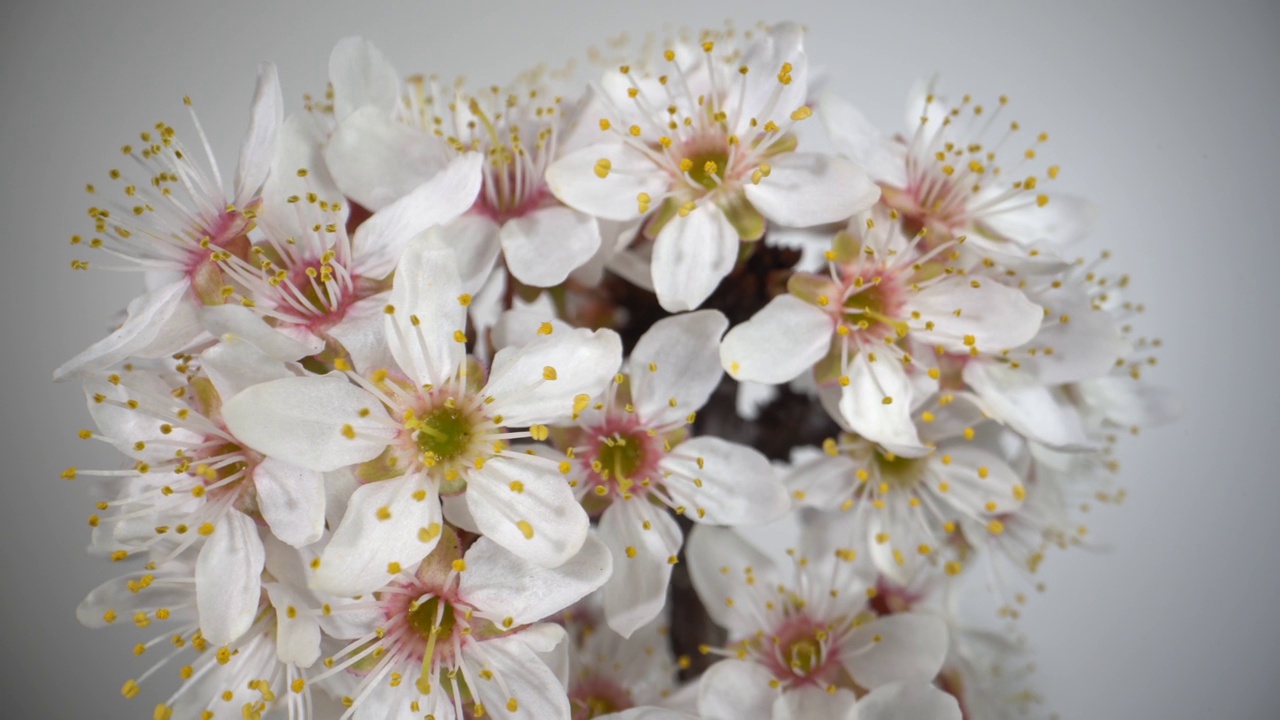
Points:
x=1165 y=114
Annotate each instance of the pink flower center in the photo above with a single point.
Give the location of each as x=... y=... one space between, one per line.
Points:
x=595 y=696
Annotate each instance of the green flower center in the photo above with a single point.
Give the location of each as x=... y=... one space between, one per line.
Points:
x=804 y=654
x=620 y=456
x=899 y=472
x=708 y=169
x=443 y=434
x=423 y=618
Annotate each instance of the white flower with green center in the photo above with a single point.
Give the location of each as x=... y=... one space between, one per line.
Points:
x=704 y=148
x=949 y=174
x=392 y=136
x=175 y=223
x=632 y=460
x=805 y=645
x=430 y=426
x=903 y=510
x=460 y=633
x=858 y=326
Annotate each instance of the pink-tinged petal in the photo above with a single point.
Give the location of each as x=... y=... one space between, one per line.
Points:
x=291 y=500
x=718 y=558
x=909 y=647
x=475 y=241
x=544 y=246
x=959 y=316
x=538 y=382
x=908 y=701
x=810 y=702
x=856 y=138
x=804 y=189
x=691 y=255
x=362 y=332
x=1018 y=399
x=877 y=404
x=381 y=241
x=229 y=578
x=297 y=633
x=576 y=180
x=642 y=539
x=241 y=322
x=781 y=341
x=312 y=422
x=673 y=366
x=389 y=524
x=427 y=312
x=527 y=683
x=258 y=147
x=376 y=160
x=527 y=507
x=736 y=690
x=362 y=75
x=159 y=323
x=1065 y=219
x=724 y=483
x=500 y=585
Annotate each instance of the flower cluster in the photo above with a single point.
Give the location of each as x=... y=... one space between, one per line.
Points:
x=459 y=403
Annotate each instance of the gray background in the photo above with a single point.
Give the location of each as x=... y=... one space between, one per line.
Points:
x=1165 y=113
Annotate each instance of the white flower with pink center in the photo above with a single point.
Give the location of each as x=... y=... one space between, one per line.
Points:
x=176 y=223
x=704 y=148
x=431 y=425
x=857 y=327
x=950 y=175
x=805 y=645
x=610 y=674
x=632 y=460
x=459 y=635
x=392 y=136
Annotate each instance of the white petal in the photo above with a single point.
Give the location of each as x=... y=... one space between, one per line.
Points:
x=1085 y=347
x=736 y=690
x=385 y=523
x=910 y=647
x=160 y=323
x=675 y=359
x=992 y=317
x=258 y=147
x=574 y=180
x=1127 y=402
x=784 y=43
x=637 y=591
x=823 y=482
x=234 y=365
x=425 y=296
x=380 y=241
x=362 y=332
x=376 y=160
x=527 y=507
x=725 y=483
x=297 y=637
x=362 y=75
x=856 y=138
x=240 y=321
x=1064 y=220
x=298 y=146
x=647 y=713
x=718 y=558
x=544 y=246
x=118 y=596
x=979 y=482
x=520 y=325
x=291 y=500
x=501 y=585
x=805 y=189
x=908 y=701
x=583 y=361
x=807 y=703
x=537 y=693
x=781 y=341
x=474 y=239
x=229 y=578
x=863 y=406
x=1018 y=399
x=301 y=421
x=691 y=255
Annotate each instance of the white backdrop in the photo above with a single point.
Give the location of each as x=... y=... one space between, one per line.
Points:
x=1165 y=114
